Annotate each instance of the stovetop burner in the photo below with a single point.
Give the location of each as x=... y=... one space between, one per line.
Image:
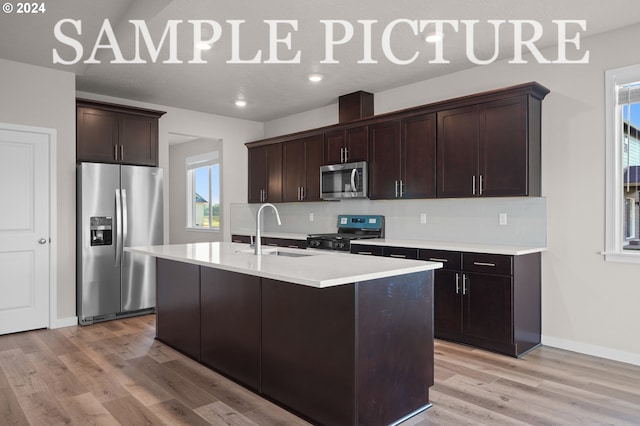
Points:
x=350 y=227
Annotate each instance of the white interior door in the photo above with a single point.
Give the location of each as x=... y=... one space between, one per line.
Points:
x=24 y=230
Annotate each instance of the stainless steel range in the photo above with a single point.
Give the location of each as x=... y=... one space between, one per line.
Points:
x=350 y=227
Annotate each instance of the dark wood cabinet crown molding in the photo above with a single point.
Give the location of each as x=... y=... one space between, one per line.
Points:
x=532 y=89
x=107 y=106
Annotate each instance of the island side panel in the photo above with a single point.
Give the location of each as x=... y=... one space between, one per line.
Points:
x=308 y=350
x=178 y=306
x=230 y=324
x=395 y=347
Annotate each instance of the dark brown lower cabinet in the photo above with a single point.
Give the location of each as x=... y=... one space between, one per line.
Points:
x=178 y=306
x=487 y=300
x=353 y=354
x=230 y=324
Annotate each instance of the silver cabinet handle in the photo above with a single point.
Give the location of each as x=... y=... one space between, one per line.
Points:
x=481 y=184
x=115 y=152
x=121 y=152
x=302 y=194
x=474 y=184
x=365 y=252
x=484 y=264
x=399 y=256
x=401 y=188
x=396 y=189
x=457 y=283
x=464 y=284
x=346 y=155
x=42 y=241
x=435 y=259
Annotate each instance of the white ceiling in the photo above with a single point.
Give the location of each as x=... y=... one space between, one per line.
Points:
x=277 y=90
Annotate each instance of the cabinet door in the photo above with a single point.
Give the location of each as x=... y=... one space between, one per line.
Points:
x=314 y=158
x=357 y=145
x=334 y=146
x=487 y=308
x=178 y=306
x=265 y=174
x=308 y=349
x=457 y=147
x=418 y=154
x=293 y=174
x=504 y=147
x=97 y=137
x=447 y=304
x=257 y=174
x=274 y=173
x=384 y=165
x=138 y=138
x=230 y=324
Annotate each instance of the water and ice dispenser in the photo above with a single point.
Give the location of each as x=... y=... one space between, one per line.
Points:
x=101 y=230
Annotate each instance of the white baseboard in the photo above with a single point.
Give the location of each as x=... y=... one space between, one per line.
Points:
x=64 y=322
x=593 y=350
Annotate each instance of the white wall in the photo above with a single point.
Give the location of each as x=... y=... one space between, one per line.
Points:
x=177 y=217
x=589 y=305
x=41 y=97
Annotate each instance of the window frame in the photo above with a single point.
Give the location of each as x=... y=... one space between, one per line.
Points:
x=192 y=163
x=614 y=197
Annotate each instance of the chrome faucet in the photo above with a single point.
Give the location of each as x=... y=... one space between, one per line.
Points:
x=258 y=243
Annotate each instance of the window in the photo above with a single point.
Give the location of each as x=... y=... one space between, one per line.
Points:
x=203 y=191
x=623 y=164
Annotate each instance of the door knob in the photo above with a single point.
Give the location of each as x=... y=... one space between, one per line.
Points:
x=42 y=240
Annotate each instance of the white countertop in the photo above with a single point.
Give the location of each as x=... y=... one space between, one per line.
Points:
x=513 y=250
x=321 y=269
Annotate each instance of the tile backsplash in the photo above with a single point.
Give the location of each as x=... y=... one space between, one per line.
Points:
x=474 y=220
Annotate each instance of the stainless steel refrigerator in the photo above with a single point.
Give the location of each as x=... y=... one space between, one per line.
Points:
x=117 y=206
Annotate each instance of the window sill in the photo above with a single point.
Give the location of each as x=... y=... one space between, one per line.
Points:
x=622 y=256
x=192 y=229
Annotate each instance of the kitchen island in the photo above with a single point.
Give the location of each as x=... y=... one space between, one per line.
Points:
x=338 y=339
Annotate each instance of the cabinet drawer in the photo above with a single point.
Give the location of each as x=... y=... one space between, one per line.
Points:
x=246 y=239
x=400 y=252
x=284 y=242
x=450 y=259
x=366 y=250
x=487 y=263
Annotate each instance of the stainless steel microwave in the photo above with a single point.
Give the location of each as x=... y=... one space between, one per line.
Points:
x=344 y=181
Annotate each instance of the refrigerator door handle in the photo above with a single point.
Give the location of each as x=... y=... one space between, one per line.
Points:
x=118 y=228
x=124 y=218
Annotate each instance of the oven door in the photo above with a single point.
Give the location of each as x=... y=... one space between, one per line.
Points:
x=344 y=181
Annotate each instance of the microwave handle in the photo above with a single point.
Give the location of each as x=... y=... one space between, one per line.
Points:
x=354 y=188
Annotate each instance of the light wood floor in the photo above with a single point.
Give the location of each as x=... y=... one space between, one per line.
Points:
x=116 y=373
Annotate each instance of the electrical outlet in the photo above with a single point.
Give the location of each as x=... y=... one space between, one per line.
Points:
x=423 y=218
x=310 y=217
x=502 y=218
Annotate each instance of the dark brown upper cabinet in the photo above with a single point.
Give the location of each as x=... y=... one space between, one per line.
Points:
x=485 y=144
x=265 y=174
x=347 y=146
x=490 y=149
x=302 y=159
x=110 y=133
x=403 y=158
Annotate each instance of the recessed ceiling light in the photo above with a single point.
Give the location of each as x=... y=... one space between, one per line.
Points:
x=433 y=37
x=241 y=103
x=315 y=78
x=203 y=46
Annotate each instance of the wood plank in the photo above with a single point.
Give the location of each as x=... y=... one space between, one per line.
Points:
x=220 y=413
x=42 y=408
x=84 y=409
x=129 y=411
x=20 y=373
x=56 y=341
x=173 y=412
x=10 y=410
